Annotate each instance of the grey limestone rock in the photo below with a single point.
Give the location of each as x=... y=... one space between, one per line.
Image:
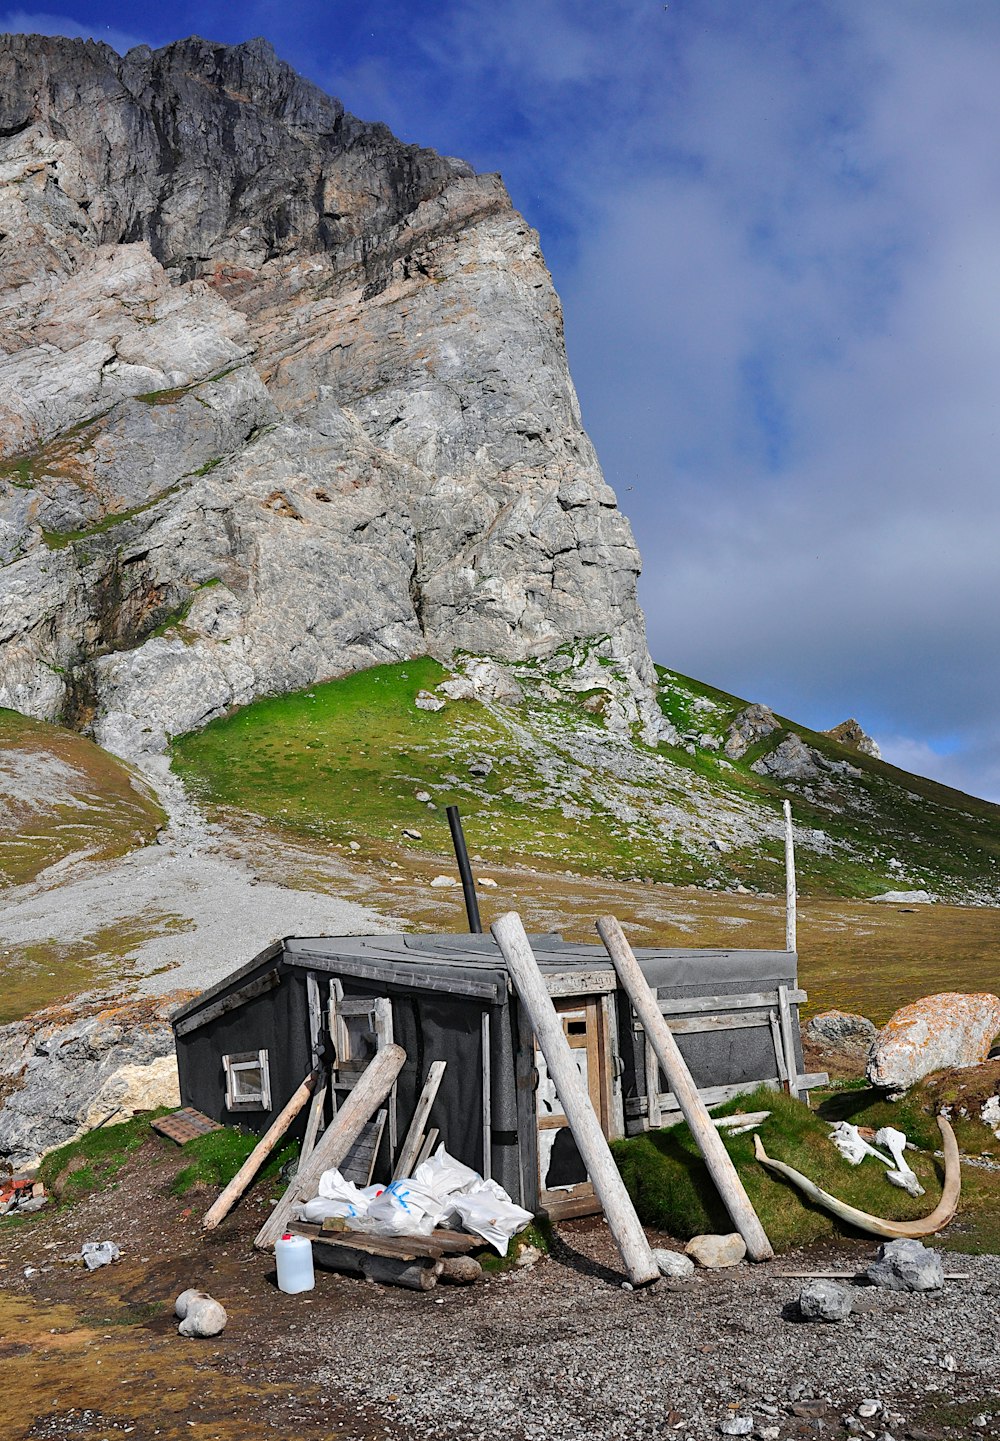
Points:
x=280 y=398
x=843 y=1032
x=825 y=1301
x=673 y=1263
x=753 y=724
x=717 y=1252
x=906 y=1265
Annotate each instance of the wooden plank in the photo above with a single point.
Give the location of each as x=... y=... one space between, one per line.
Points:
x=525 y=1087
x=413 y=1140
x=314 y=1121
x=738 y=1120
x=717 y=1005
x=612 y=1065
x=259 y=1154
x=653 y=1107
x=788 y=1041
x=225 y=1004
x=315 y=1017
x=575 y=1100
x=580 y=983
x=779 y=1050
x=430 y=1141
x=383 y=1037
x=391 y=973
x=484 y=1031
x=702 y=1025
x=337 y=1139
x=674 y=1067
x=790 y=905
x=440 y=1242
x=572 y=1207
x=359 y=1163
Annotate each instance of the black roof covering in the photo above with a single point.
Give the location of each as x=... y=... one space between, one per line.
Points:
x=472 y=965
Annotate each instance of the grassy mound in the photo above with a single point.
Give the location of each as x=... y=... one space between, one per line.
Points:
x=672 y=1190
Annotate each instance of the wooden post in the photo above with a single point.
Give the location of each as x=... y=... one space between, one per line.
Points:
x=790 y=937
x=680 y=1081
x=338 y=1138
x=571 y=1089
x=415 y=1135
x=232 y=1193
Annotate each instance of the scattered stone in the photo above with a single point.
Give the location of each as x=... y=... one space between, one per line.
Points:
x=905 y=898
x=442 y=881
x=825 y=1301
x=717 y=1252
x=673 y=1263
x=480 y=766
x=736 y=1426
x=200 y=1314
x=951 y=1029
x=99 y=1253
x=353 y=845
x=426 y=701
x=411 y=834
x=461 y=1270
x=422 y=796
x=906 y=1265
x=527 y=1257
x=487 y=883
x=869 y=1408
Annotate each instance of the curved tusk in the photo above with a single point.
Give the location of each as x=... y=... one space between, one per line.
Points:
x=943 y=1212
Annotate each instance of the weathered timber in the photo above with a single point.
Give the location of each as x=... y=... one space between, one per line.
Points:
x=337 y=1139
x=414 y=1138
x=674 y=1067
x=575 y=1100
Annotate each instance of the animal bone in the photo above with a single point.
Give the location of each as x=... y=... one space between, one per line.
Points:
x=943 y=1212
x=902 y=1176
x=853 y=1146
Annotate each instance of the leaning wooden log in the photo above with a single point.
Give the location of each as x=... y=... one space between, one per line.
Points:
x=232 y=1193
x=943 y=1212
x=338 y=1138
x=679 y=1079
x=419 y=1274
x=410 y=1149
x=574 y=1097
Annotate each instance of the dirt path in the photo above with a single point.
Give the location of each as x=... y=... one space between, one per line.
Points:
x=557 y=1352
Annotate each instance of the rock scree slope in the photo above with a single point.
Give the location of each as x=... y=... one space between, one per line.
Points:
x=280 y=398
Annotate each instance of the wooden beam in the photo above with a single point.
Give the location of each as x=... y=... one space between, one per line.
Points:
x=718 y=1005
x=414 y=1138
x=337 y=1140
x=221 y=1007
x=259 y=1154
x=575 y=1100
x=790 y=900
x=788 y=1042
x=674 y=1067
x=314 y=1121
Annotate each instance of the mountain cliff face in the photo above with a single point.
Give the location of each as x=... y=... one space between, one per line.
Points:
x=280 y=398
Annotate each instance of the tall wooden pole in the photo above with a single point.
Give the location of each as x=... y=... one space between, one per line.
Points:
x=574 y=1098
x=790 y=944
x=680 y=1081
x=227 y=1200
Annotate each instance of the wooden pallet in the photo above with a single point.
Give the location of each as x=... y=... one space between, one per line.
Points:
x=185 y=1125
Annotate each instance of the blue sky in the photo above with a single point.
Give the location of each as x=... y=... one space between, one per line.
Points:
x=775 y=229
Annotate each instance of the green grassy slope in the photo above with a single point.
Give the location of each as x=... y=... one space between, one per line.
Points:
x=551 y=783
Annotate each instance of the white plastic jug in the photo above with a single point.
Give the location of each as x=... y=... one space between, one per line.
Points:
x=294 y=1257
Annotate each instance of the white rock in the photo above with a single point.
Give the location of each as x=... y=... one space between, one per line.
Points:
x=442 y=881
x=200 y=1314
x=426 y=701
x=717 y=1252
x=673 y=1263
x=487 y=883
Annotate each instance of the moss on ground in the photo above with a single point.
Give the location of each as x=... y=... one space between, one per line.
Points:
x=212 y=1161
x=672 y=1190
x=94 y=1161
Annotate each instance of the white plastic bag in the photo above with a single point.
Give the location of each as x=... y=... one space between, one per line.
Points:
x=403 y=1209
x=489 y=1212
x=339 y=1196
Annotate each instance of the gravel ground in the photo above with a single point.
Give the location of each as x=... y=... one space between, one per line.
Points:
x=563 y=1353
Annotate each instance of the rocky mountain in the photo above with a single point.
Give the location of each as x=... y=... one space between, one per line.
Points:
x=280 y=398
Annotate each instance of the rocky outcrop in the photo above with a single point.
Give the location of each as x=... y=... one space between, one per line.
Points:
x=62 y=1073
x=933 y=1034
x=754 y=723
x=849 y=733
x=280 y=398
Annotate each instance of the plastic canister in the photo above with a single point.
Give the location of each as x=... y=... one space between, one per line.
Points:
x=294 y=1257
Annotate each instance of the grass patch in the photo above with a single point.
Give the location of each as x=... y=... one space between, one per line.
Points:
x=672 y=1190
x=213 y=1160
x=538 y=1234
x=94 y=1161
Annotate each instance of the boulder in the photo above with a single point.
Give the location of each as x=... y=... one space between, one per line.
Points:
x=673 y=1263
x=952 y=1029
x=906 y=1265
x=200 y=1314
x=841 y=1031
x=825 y=1301
x=717 y=1252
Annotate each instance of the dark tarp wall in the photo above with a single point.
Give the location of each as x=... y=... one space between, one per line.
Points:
x=278 y=1020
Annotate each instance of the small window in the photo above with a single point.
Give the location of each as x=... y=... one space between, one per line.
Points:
x=248 y=1083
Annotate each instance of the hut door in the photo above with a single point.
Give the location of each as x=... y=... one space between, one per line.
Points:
x=359 y=1026
x=562 y=1176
